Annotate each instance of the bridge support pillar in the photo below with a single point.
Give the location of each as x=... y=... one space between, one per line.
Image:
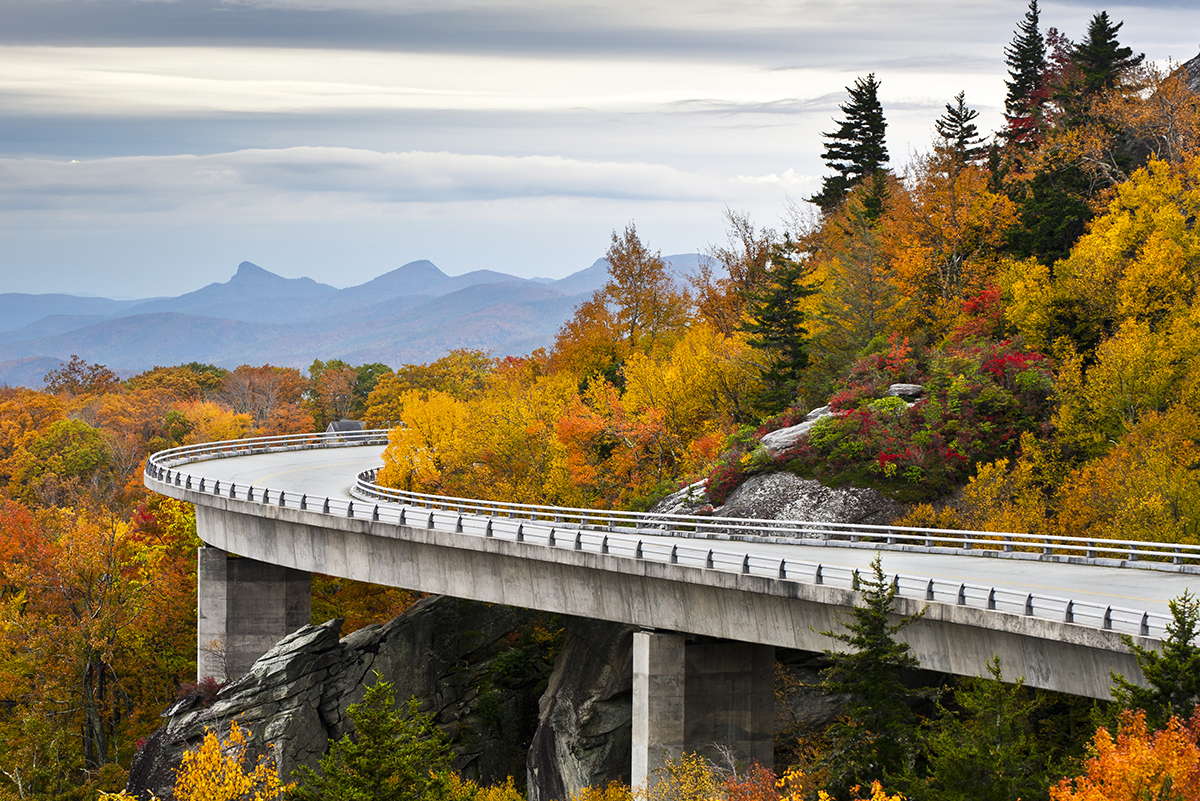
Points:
x=699 y=696
x=244 y=607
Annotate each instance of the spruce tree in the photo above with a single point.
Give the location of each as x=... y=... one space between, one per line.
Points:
x=959 y=134
x=1172 y=673
x=878 y=737
x=987 y=747
x=1100 y=58
x=392 y=755
x=856 y=149
x=778 y=326
x=1026 y=60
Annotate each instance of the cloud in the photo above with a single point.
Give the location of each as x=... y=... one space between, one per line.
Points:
x=291 y=179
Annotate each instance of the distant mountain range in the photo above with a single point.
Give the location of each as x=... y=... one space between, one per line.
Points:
x=415 y=313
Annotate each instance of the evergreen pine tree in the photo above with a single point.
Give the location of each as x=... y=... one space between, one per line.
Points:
x=959 y=134
x=856 y=149
x=392 y=755
x=1026 y=60
x=778 y=326
x=1100 y=58
x=1172 y=673
x=988 y=750
x=878 y=737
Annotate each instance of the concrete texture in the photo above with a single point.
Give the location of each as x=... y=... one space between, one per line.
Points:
x=244 y=607
x=659 y=731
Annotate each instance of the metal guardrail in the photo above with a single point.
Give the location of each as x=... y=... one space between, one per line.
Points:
x=672 y=538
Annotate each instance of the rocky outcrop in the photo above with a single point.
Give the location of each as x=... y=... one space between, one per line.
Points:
x=784 y=496
x=784 y=438
x=907 y=391
x=456 y=657
x=585 y=728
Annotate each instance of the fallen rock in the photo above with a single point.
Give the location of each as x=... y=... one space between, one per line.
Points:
x=584 y=734
x=784 y=438
x=783 y=496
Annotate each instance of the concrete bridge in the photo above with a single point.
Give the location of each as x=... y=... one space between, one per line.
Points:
x=713 y=598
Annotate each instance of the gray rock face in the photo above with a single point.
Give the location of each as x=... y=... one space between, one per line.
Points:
x=584 y=735
x=906 y=391
x=784 y=438
x=294 y=700
x=783 y=496
x=690 y=500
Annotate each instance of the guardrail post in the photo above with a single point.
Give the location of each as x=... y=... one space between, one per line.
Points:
x=966 y=542
x=992 y=598
x=350 y=509
x=1008 y=545
x=429 y=523
x=325 y=506
x=637 y=553
x=520 y=532
x=929 y=591
x=783 y=568
x=579 y=540
x=202 y=483
x=1091 y=551
x=1133 y=555
x=304 y=501
x=375 y=512
x=1178 y=558
x=896 y=583
x=266 y=498
x=1108 y=617
x=551 y=541
x=282 y=498
x=458 y=523
x=250 y=492
x=189 y=482
x=708 y=560
x=674 y=554
x=746 y=563
x=1069 y=614
x=604 y=544
x=855 y=580
x=1144 y=629
x=217 y=487
x=487 y=529
x=232 y=489
x=819 y=576
x=403 y=516
x=1029 y=604
x=962 y=594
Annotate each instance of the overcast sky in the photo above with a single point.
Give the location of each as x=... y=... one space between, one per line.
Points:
x=149 y=146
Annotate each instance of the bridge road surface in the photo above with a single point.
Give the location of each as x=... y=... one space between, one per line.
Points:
x=332 y=472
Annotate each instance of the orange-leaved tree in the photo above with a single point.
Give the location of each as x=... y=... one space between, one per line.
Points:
x=1138 y=764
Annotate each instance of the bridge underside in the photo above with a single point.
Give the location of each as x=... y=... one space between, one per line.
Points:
x=686 y=696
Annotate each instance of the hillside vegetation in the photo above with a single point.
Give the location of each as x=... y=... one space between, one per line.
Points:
x=1041 y=287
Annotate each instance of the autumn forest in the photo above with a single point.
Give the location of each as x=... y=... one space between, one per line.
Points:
x=1040 y=284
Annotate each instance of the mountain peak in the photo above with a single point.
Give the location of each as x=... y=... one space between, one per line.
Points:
x=249 y=269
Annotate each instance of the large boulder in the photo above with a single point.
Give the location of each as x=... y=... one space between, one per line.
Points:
x=784 y=496
x=784 y=438
x=443 y=651
x=584 y=735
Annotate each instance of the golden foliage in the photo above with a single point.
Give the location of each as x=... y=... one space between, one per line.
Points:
x=1138 y=764
x=221 y=771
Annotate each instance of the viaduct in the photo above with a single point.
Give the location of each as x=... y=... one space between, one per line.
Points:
x=712 y=598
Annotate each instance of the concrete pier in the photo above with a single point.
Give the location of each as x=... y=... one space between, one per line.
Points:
x=244 y=607
x=698 y=695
